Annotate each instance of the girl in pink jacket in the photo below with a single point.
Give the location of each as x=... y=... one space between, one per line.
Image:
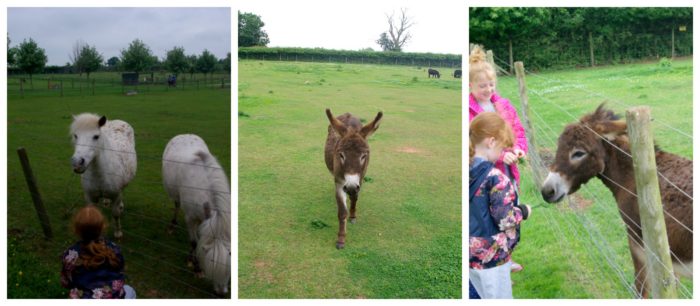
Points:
x=483 y=98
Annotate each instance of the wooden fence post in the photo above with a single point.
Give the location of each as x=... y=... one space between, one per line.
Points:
x=659 y=267
x=61 y=88
x=590 y=45
x=21 y=88
x=536 y=164
x=36 y=196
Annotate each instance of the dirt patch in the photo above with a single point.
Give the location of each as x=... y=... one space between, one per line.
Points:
x=262 y=270
x=579 y=203
x=410 y=111
x=411 y=150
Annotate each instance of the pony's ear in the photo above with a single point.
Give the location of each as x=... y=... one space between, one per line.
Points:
x=338 y=126
x=611 y=129
x=102 y=121
x=369 y=128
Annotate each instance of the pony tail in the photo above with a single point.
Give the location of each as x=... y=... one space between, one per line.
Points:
x=477 y=55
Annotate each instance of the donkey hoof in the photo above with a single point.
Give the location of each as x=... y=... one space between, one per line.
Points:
x=353 y=220
x=340 y=245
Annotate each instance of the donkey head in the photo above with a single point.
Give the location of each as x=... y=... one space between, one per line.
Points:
x=85 y=132
x=351 y=152
x=581 y=153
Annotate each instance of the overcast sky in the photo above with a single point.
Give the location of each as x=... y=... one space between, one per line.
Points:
x=111 y=29
x=440 y=26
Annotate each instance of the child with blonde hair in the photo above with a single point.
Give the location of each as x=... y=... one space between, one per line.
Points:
x=93 y=268
x=483 y=98
x=494 y=217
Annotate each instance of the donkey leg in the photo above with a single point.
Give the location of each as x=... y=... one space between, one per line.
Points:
x=640 y=270
x=117 y=209
x=340 y=198
x=353 y=203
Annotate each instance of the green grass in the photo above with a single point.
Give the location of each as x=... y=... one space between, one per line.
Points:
x=407 y=240
x=582 y=252
x=155 y=261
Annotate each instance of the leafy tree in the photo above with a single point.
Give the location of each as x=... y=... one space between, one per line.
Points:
x=137 y=57
x=192 y=65
x=90 y=60
x=176 y=61
x=11 y=53
x=226 y=63
x=75 y=56
x=206 y=63
x=30 y=58
x=250 y=32
x=113 y=63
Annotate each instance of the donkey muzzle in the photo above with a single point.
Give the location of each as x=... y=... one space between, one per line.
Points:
x=351 y=189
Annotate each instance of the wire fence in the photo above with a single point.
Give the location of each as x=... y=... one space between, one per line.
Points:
x=597 y=244
x=62 y=85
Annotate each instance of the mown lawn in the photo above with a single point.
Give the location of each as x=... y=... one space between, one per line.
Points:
x=155 y=261
x=407 y=239
x=581 y=251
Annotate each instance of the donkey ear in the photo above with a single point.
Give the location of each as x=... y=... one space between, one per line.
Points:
x=102 y=121
x=611 y=129
x=369 y=128
x=338 y=126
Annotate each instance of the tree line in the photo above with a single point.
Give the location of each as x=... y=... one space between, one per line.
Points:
x=574 y=37
x=29 y=58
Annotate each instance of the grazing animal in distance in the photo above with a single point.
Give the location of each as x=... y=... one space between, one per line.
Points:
x=105 y=158
x=433 y=73
x=195 y=182
x=582 y=154
x=347 y=157
x=457 y=74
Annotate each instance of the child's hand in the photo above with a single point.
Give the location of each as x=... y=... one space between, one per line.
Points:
x=519 y=153
x=509 y=158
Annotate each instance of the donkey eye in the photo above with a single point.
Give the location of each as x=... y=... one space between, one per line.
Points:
x=342 y=157
x=363 y=157
x=96 y=137
x=578 y=155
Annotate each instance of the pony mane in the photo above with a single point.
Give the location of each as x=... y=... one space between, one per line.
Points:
x=84 y=121
x=214 y=245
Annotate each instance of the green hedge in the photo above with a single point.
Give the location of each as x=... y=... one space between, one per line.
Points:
x=349 y=56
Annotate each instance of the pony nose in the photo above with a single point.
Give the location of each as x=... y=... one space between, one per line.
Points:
x=77 y=161
x=547 y=193
x=351 y=189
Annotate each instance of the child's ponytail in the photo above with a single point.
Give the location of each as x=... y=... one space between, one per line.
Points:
x=478 y=65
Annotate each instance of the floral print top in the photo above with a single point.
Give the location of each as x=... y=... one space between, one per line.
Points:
x=102 y=282
x=493 y=207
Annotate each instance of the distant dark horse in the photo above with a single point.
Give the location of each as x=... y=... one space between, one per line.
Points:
x=433 y=73
x=458 y=73
x=172 y=80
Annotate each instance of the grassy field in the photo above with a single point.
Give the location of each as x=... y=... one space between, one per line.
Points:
x=407 y=240
x=581 y=251
x=155 y=261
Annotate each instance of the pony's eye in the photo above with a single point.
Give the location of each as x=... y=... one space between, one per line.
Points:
x=96 y=137
x=578 y=154
x=75 y=136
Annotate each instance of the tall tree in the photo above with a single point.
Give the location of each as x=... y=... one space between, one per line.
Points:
x=192 y=65
x=206 y=63
x=226 y=63
x=176 y=61
x=74 y=56
x=250 y=32
x=90 y=60
x=137 y=57
x=11 y=53
x=398 y=35
x=113 y=63
x=30 y=58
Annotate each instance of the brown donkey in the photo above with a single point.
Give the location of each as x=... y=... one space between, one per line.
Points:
x=347 y=157
x=582 y=155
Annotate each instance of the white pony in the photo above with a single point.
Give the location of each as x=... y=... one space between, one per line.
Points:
x=196 y=182
x=105 y=156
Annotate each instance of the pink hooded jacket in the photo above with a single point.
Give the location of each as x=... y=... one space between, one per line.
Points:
x=510 y=115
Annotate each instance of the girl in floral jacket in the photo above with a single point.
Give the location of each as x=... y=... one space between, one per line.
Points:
x=494 y=220
x=93 y=268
